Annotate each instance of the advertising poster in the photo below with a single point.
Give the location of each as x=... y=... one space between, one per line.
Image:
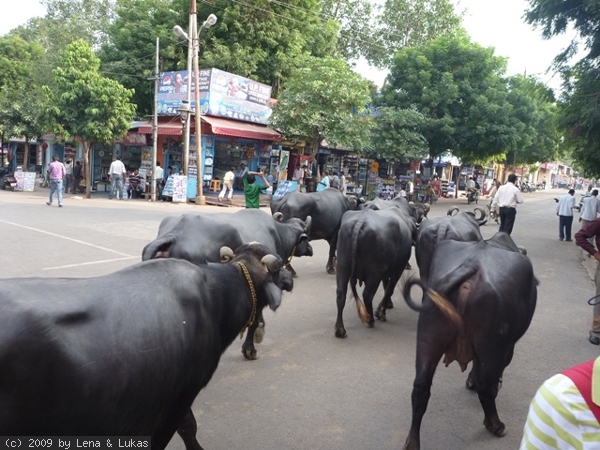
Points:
x=221 y=94
x=284 y=162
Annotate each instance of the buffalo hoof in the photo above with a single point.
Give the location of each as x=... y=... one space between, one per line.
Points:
x=497 y=429
x=389 y=304
x=380 y=315
x=371 y=323
x=259 y=334
x=470 y=383
x=292 y=271
x=340 y=332
x=330 y=270
x=250 y=354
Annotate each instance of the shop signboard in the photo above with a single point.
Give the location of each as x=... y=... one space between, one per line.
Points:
x=285 y=187
x=221 y=94
x=25 y=181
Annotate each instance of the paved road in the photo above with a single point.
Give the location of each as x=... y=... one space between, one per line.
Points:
x=310 y=390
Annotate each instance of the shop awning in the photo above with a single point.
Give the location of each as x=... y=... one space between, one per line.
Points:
x=166 y=127
x=227 y=127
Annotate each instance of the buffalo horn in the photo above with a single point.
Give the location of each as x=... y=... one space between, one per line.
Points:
x=278 y=216
x=522 y=250
x=411 y=203
x=452 y=211
x=272 y=262
x=226 y=254
x=426 y=207
x=482 y=214
x=308 y=222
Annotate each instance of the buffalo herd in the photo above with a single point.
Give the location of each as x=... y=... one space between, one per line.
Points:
x=109 y=356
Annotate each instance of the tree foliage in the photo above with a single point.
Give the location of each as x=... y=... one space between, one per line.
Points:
x=86 y=104
x=324 y=99
x=356 y=31
x=409 y=23
x=396 y=135
x=535 y=115
x=458 y=87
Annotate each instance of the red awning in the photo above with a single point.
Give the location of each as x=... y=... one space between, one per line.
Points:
x=166 y=127
x=227 y=127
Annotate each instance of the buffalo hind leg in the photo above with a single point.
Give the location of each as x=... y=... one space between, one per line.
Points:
x=389 y=285
x=187 y=431
x=342 y=279
x=330 y=267
x=432 y=337
x=489 y=373
x=368 y=293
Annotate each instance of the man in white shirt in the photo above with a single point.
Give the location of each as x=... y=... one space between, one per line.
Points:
x=507 y=198
x=68 y=181
x=299 y=175
x=564 y=211
x=116 y=172
x=590 y=209
x=159 y=175
x=470 y=184
x=227 y=184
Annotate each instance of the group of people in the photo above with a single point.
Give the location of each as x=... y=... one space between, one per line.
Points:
x=118 y=175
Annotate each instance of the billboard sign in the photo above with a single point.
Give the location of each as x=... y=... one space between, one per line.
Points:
x=221 y=94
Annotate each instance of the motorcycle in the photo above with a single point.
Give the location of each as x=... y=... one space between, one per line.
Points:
x=9 y=182
x=473 y=196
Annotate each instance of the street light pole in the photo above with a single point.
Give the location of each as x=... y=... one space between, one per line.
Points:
x=193 y=50
x=210 y=21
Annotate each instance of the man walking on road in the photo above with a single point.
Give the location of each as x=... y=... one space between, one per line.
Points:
x=116 y=173
x=56 y=171
x=564 y=211
x=590 y=209
x=507 y=198
x=582 y=239
x=69 y=176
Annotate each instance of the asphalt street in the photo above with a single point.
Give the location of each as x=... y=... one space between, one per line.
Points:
x=310 y=390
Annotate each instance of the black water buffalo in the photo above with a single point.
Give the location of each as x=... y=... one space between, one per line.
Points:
x=485 y=293
x=326 y=209
x=127 y=353
x=418 y=211
x=459 y=227
x=373 y=246
x=198 y=238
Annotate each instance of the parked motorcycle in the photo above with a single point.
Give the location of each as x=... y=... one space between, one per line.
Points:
x=527 y=187
x=473 y=196
x=9 y=182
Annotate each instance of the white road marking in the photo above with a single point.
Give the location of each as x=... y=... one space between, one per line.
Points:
x=68 y=266
x=68 y=239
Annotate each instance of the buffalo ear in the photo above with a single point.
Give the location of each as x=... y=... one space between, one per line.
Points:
x=278 y=216
x=226 y=254
x=273 y=294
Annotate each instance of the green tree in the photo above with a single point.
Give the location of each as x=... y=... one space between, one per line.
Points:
x=409 y=23
x=458 y=87
x=260 y=39
x=86 y=104
x=396 y=135
x=535 y=115
x=324 y=99
x=356 y=32
x=20 y=92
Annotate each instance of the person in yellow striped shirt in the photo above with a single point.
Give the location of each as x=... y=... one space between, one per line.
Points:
x=559 y=415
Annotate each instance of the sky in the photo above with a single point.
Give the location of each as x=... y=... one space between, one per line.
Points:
x=491 y=23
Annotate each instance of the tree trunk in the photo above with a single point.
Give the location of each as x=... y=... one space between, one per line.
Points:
x=313 y=155
x=87 y=170
x=26 y=154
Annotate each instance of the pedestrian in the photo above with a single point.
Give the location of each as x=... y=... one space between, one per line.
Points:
x=227 y=185
x=343 y=187
x=240 y=176
x=565 y=412
x=116 y=173
x=252 y=190
x=159 y=174
x=564 y=211
x=585 y=238
x=135 y=185
x=544 y=183
x=77 y=176
x=299 y=176
x=507 y=198
x=56 y=173
x=324 y=183
x=69 y=176
x=590 y=209
x=335 y=180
